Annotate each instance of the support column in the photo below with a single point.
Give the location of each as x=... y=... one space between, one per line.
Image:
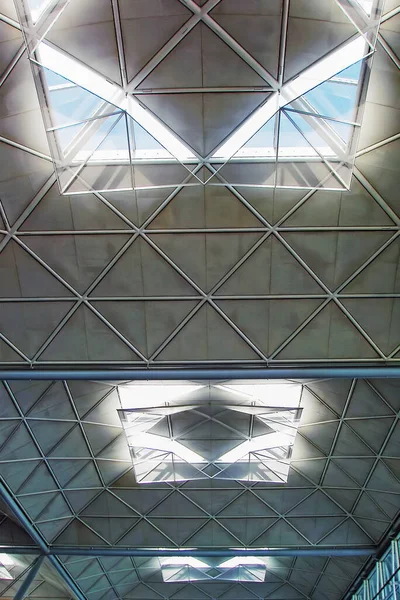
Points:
x=26 y=584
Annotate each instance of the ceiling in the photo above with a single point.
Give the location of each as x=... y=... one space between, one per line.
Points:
x=207 y=273
x=66 y=462
x=173 y=275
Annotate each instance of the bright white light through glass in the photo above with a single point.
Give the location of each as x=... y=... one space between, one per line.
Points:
x=146 y=440
x=6 y=561
x=337 y=61
x=144 y=394
x=276 y=394
x=316 y=151
x=161 y=133
x=261 y=443
x=186 y=569
x=73 y=70
x=366 y=5
x=190 y=561
x=249 y=128
x=37 y=8
x=320 y=72
x=236 y=561
x=84 y=77
x=176 y=435
x=96 y=84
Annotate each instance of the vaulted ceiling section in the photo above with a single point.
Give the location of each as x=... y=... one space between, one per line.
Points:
x=184 y=272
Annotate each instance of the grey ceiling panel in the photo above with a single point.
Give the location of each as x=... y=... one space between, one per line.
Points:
x=203 y=274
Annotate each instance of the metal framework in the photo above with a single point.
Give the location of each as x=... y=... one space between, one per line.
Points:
x=384 y=579
x=288 y=97
x=38 y=364
x=32 y=573
x=56 y=552
x=41 y=544
x=167 y=552
x=330 y=298
x=53 y=552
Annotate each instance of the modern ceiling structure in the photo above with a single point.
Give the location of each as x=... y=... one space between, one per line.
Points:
x=199 y=187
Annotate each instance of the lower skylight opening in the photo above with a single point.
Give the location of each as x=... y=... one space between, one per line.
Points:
x=188 y=432
x=188 y=569
x=5 y=563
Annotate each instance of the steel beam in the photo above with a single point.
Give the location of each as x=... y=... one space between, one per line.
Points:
x=26 y=584
x=17 y=550
x=224 y=552
x=201 y=374
x=37 y=538
x=154 y=552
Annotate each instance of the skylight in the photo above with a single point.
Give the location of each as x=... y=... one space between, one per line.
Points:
x=186 y=569
x=176 y=434
x=37 y=8
x=236 y=561
x=366 y=5
x=6 y=561
x=188 y=561
x=278 y=393
x=76 y=72
x=84 y=77
x=147 y=394
x=323 y=70
x=303 y=136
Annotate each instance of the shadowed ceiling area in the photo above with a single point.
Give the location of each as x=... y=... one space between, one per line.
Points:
x=181 y=187
x=67 y=464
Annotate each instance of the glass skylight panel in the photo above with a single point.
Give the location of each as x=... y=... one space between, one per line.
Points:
x=180 y=432
x=88 y=80
x=314 y=148
x=143 y=394
x=282 y=393
x=383 y=582
x=320 y=139
x=6 y=561
x=187 y=569
x=323 y=70
x=75 y=102
x=366 y=5
x=37 y=8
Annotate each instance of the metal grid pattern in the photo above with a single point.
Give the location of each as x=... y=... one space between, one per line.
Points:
x=384 y=580
x=286 y=578
x=196 y=276
x=304 y=135
x=66 y=462
x=205 y=274
x=43 y=581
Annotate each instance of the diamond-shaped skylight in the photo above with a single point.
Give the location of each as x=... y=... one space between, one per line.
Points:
x=303 y=136
x=238 y=432
x=176 y=569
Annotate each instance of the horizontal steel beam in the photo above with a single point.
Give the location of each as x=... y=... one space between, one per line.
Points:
x=224 y=552
x=18 y=550
x=202 y=374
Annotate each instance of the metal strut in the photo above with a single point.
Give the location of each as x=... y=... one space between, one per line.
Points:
x=202 y=374
x=26 y=584
x=37 y=538
x=203 y=552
